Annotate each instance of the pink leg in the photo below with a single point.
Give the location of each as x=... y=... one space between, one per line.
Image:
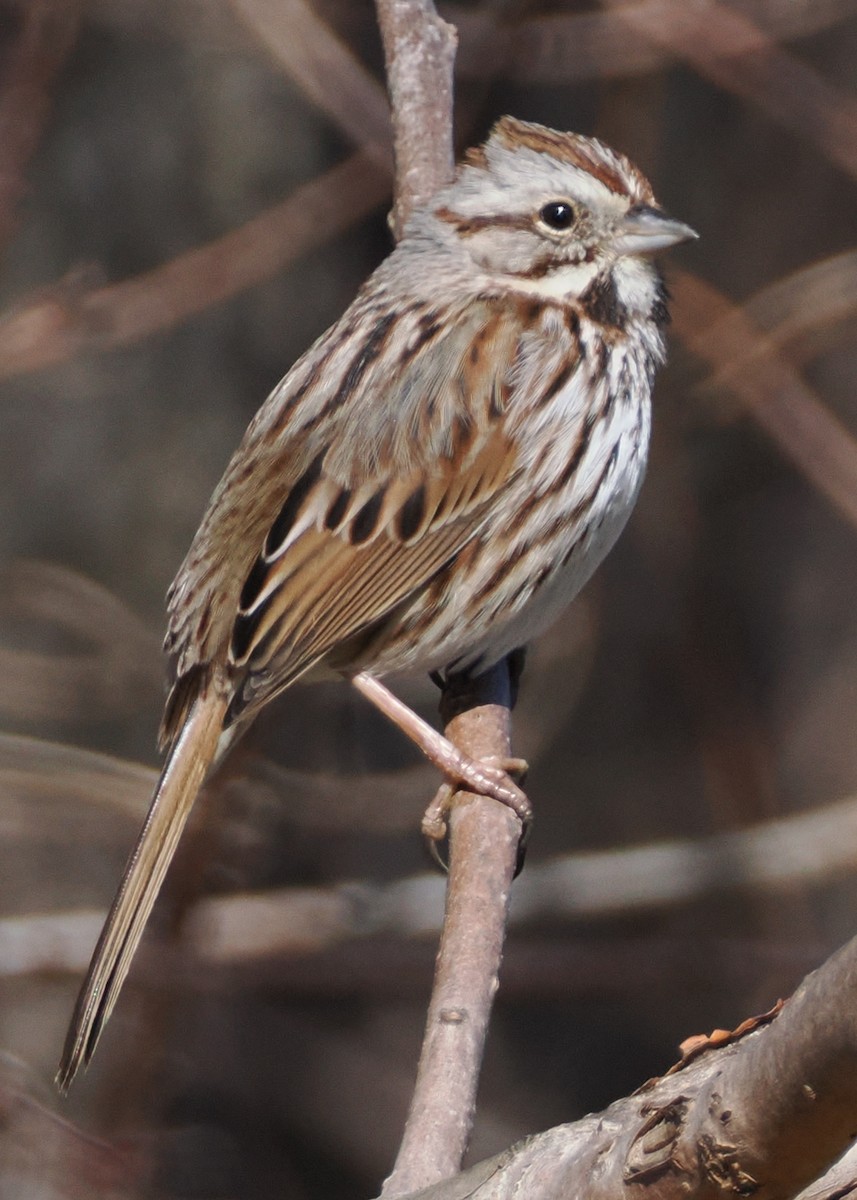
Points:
x=484 y=778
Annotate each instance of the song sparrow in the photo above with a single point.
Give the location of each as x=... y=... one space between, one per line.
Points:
x=430 y=484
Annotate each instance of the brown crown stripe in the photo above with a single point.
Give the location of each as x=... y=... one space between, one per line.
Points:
x=566 y=147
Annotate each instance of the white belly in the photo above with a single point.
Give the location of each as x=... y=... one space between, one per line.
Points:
x=538 y=547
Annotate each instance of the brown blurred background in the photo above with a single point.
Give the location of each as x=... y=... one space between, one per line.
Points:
x=182 y=209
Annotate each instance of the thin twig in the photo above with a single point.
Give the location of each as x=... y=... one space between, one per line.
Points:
x=313 y=55
x=562 y=47
x=807 y=306
x=48 y=29
x=725 y=47
x=483 y=849
x=66 y=320
x=776 y=396
x=419 y=49
x=802 y=850
x=72 y=317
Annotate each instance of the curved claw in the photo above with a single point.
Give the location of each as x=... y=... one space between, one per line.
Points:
x=434 y=824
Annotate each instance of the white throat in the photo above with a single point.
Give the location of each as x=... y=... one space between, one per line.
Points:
x=637 y=284
x=565 y=283
x=635 y=280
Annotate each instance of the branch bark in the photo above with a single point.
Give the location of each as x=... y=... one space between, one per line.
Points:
x=419 y=48
x=483 y=852
x=762 y=1116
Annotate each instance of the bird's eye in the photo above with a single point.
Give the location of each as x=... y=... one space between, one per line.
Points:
x=558 y=215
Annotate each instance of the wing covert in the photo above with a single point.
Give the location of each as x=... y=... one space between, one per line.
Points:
x=324 y=523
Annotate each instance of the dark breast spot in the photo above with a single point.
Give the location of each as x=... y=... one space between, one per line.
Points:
x=600 y=302
x=580 y=448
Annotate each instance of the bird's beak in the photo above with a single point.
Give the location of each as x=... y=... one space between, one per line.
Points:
x=645 y=230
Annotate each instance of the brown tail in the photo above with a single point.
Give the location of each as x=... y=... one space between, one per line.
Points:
x=181 y=779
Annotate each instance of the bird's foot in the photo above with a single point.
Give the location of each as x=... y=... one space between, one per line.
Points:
x=497 y=778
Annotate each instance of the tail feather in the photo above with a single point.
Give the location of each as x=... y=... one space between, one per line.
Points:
x=183 y=775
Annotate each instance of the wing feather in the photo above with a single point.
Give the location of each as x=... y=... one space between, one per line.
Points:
x=324 y=523
x=329 y=587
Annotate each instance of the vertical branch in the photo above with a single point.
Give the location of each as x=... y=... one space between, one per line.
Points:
x=483 y=849
x=419 y=49
x=484 y=835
